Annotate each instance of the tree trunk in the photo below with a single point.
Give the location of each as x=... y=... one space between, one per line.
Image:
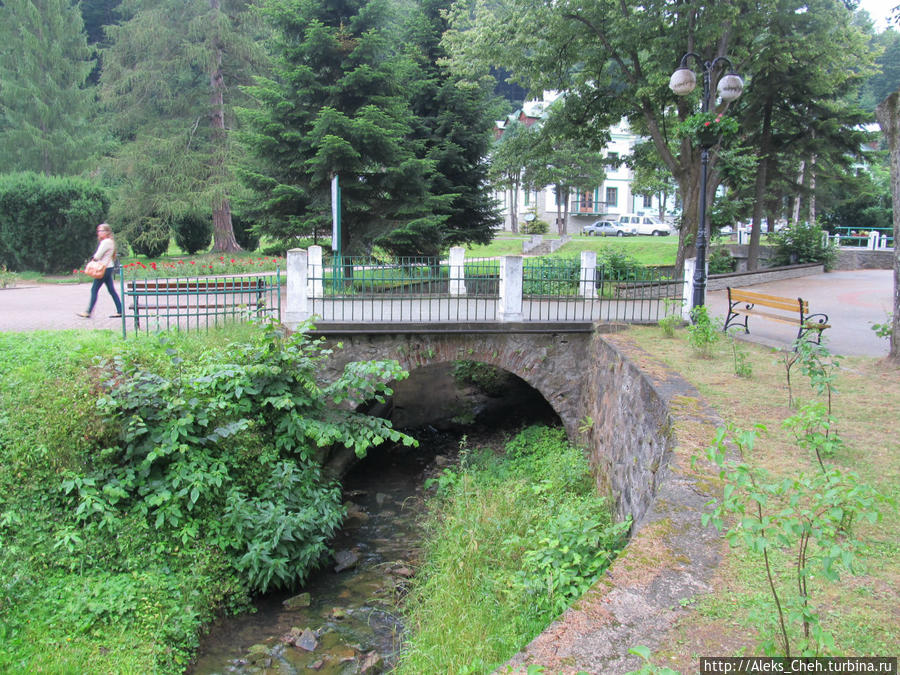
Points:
x=223 y=229
x=514 y=205
x=762 y=171
x=812 y=190
x=795 y=217
x=888 y=115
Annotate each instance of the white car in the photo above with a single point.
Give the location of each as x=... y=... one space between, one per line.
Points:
x=644 y=225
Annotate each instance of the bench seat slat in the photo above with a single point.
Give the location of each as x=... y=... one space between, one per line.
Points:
x=797 y=311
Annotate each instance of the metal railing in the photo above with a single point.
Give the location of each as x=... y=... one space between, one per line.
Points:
x=195 y=303
x=432 y=290
x=874 y=238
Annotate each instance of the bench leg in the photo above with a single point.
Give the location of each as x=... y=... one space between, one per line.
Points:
x=733 y=320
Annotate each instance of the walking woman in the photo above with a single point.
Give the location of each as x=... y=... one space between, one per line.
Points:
x=105 y=253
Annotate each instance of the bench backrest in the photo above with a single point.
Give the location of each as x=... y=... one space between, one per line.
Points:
x=192 y=287
x=765 y=300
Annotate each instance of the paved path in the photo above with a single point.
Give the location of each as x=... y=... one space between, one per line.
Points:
x=853 y=300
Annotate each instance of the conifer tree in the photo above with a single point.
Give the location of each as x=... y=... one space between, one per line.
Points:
x=47 y=113
x=337 y=105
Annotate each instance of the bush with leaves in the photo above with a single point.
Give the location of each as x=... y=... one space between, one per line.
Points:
x=149 y=236
x=802 y=243
x=193 y=232
x=230 y=449
x=703 y=333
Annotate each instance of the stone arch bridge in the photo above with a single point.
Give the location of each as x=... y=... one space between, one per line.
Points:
x=640 y=423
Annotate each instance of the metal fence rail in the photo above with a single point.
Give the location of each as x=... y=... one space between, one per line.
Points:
x=195 y=303
x=430 y=290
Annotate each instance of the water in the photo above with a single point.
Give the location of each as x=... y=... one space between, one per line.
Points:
x=352 y=620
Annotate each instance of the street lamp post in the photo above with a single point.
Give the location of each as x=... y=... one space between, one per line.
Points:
x=683 y=82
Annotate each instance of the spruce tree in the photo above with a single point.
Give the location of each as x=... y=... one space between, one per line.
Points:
x=337 y=105
x=47 y=113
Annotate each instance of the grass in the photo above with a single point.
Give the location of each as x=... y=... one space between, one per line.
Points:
x=512 y=541
x=651 y=251
x=122 y=601
x=859 y=610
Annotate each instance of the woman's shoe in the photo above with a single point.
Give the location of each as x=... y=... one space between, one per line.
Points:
x=84 y=315
x=115 y=316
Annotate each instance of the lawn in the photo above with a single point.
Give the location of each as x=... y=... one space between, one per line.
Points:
x=859 y=610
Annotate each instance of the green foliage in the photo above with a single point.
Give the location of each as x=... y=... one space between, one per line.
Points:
x=802 y=243
x=721 y=261
x=241 y=433
x=742 y=366
x=7 y=279
x=806 y=516
x=647 y=666
x=149 y=236
x=883 y=330
x=706 y=128
x=512 y=540
x=535 y=226
x=703 y=333
x=244 y=233
x=487 y=378
x=193 y=232
x=672 y=318
x=48 y=224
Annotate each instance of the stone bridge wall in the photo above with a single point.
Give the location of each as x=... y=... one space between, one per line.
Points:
x=591 y=386
x=646 y=424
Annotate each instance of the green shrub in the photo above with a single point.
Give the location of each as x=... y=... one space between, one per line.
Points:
x=802 y=243
x=535 y=226
x=193 y=232
x=149 y=236
x=721 y=261
x=704 y=332
x=244 y=234
x=48 y=223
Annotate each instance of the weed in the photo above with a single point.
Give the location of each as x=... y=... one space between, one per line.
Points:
x=703 y=333
x=672 y=316
x=648 y=667
x=883 y=330
x=742 y=366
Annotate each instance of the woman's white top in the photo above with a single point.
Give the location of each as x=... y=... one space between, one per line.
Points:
x=106 y=252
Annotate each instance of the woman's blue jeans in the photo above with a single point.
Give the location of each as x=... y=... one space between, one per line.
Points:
x=95 y=287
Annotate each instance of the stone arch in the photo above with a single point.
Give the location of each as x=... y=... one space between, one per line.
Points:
x=552 y=363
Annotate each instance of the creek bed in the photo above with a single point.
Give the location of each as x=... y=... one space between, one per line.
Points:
x=350 y=618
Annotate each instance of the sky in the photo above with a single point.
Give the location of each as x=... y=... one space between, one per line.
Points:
x=879 y=10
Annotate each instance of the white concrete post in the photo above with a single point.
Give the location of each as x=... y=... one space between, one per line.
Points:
x=457 y=270
x=588 y=286
x=743 y=236
x=510 y=303
x=883 y=241
x=837 y=240
x=316 y=273
x=297 y=310
x=873 y=240
x=690 y=264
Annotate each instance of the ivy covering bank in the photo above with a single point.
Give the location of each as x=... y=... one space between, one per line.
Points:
x=143 y=491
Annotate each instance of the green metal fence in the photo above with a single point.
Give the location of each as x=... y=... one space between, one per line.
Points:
x=195 y=303
x=427 y=290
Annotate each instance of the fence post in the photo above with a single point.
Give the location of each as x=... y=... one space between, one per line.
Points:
x=873 y=240
x=297 y=309
x=690 y=264
x=510 y=303
x=588 y=286
x=457 y=270
x=837 y=240
x=882 y=243
x=315 y=273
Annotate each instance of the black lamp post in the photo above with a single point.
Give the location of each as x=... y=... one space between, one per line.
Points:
x=683 y=82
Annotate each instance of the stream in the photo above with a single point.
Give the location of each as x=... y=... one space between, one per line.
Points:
x=347 y=617
x=345 y=621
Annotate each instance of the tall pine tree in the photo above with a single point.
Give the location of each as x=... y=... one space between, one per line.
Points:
x=47 y=113
x=165 y=78
x=337 y=105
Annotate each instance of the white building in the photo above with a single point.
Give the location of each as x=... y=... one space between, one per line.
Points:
x=609 y=200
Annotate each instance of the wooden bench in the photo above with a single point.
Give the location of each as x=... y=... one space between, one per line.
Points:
x=184 y=295
x=795 y=311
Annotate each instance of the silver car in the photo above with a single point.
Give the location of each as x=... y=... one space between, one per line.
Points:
x=606 y=228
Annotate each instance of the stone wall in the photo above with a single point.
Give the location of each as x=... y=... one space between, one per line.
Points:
x=719 y=282
x=864 y=259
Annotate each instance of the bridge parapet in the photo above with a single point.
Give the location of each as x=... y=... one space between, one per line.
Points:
x=507 y=289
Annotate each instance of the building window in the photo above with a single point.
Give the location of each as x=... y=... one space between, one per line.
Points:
x=612 y=196
x=527 y=197
x=648 y=201
x=612 y=159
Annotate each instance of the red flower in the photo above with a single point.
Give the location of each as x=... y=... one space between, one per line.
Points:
x=706 y=124
x=232 y=260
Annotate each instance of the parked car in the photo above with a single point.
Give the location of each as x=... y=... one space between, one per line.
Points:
x=606 y=228
x=644 y=225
